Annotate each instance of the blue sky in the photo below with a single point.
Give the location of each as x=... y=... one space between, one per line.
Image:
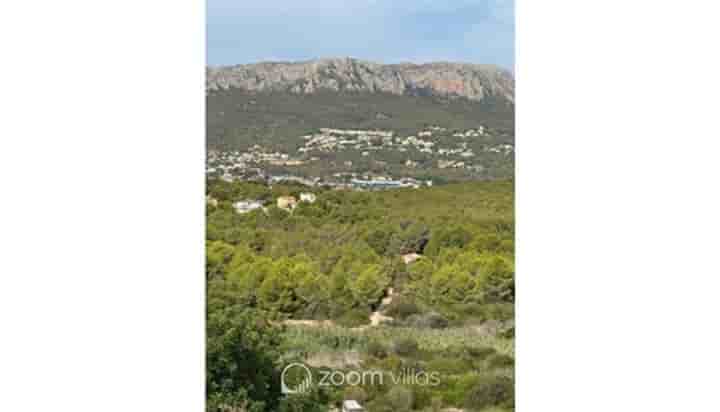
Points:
x=474 y=31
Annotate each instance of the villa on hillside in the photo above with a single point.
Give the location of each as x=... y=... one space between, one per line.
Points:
x=308 y=197
x=286 y=202
x=352 y=406
x=246 y=206
x=410 y=258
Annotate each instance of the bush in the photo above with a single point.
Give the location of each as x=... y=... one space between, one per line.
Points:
x=508 y=333
x=475 y=311
x=355 y=393
x=380 y=405
x=402 y=309
x=314 y=310
x=491 y=391
x=479 y=313
x=499 y=361
x=406 y=347
x=377 y=350
x=436 y=404
x=391 y=363
x=480 y=353
x=432 y=320
x=354 y=318
x=456 y=388
x=448 y=366
x=400 y=398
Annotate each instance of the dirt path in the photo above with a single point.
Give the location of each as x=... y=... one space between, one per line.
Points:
x=389 y=298
x=376 y=318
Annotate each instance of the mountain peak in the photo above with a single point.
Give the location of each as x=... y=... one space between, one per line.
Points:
x=346 y=74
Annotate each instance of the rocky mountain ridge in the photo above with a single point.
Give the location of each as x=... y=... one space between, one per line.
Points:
x=472 y=81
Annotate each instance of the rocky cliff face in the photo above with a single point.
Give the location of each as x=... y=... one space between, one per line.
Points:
x=475 y=82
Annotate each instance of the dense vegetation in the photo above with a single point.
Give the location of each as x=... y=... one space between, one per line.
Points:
x=336 y=259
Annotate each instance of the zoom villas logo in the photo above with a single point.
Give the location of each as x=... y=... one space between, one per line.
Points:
x=298 y=378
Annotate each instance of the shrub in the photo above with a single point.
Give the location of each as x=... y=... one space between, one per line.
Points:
x=402 y=309
x=377 y=350
x=423 y=397
x=449 y=366
x=436 y=404
x=355 y=393
x=406 y=347
x=474 y=310
x=380 y=405
x=499 y=311
x=508 y=333
x=498 y=361
x=391 y=363
x=400 y=398
x=491 y=391
x=432 y=320
x=354 y=318
x=314 y=310
x=455 y=388
x=436 y=321
x=480 y=353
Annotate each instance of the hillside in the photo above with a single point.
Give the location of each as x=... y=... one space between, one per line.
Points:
x=272 y=107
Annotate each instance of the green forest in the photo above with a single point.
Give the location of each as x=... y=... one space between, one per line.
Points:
x=436 y=264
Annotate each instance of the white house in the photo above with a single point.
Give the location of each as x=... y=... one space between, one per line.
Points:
x=286 y=202
x=245 y=206
x=352 y=406
x=410 y=258
x=308 y=197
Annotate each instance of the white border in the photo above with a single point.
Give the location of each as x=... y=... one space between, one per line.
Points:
x=617 y=206
x=101 y=224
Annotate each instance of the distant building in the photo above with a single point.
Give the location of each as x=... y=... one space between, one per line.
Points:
x=410 y=258
x=352 y=406
x=378 y=184
x=245 y=206
x=286 y=202
x=308 y=197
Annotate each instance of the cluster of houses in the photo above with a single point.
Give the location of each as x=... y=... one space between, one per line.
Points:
x=503 y=148
x=388 y=183
x=230 y=165
x=471 y=132
x=433 y=145
x=450 y=164
x=330 y=140
x=287 y=203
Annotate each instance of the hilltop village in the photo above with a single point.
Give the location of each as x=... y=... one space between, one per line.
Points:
x=367 y=159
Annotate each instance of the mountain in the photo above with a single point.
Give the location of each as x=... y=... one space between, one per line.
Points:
x=472 y=81
x=322 y=117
